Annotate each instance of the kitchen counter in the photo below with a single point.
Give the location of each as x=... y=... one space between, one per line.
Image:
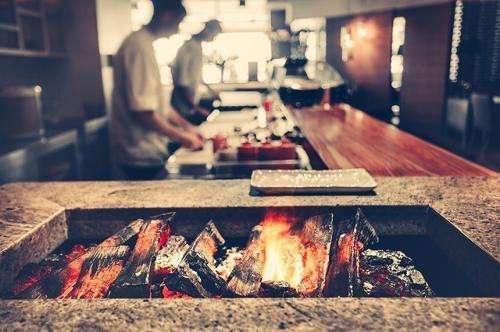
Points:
x=52 y=140
x=345 y=137
x=240 y=86
x=32 y=210
x=20 y=160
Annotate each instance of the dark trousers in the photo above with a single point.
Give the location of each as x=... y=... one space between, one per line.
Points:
x=144 y=173
x=183 y=108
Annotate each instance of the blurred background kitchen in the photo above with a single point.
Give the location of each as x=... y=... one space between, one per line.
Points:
x=429 y=67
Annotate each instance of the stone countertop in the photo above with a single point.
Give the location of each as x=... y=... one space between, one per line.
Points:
x=470 y=203
x=338 y=314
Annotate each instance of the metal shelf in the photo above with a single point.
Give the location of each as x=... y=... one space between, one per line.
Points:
x=9 y=27
x=32 y=54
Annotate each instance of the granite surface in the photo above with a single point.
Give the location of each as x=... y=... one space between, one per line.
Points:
x=470 y=203
x=26 y=210
x=339 y=314
x=27 y=221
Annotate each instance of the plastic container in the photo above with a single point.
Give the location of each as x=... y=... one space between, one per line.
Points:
x=247 y=151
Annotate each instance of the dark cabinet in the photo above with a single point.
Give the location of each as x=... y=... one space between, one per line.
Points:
x=31 y=28
x=31 y=5
x=7 y=12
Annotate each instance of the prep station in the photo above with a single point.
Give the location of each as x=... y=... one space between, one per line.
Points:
x=260 y=135
x=322 y=137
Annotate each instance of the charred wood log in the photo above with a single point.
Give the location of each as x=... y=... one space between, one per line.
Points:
x=387 y=273
x=232 y=258
x=201 y=258
x=187 y=281
x=350 y=237
x=277 y=289
x=100 y=268
x=196 y=274
x=317 y=237
x=33 y=273
x=170 y=256
x=61 y=283
x=136 y=277
x=246 y=278
x=123 y=235
x=175 y=275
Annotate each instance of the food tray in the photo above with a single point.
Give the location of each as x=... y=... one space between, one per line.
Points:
x=275 y=182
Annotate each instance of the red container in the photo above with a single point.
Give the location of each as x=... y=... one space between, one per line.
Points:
x=266 y=151
x=220 y=142
x=277 y=151
x=286 y=151
x=247 y=151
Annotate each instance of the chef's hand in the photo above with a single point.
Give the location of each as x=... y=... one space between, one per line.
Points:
x=197 y=132
x=191 y=141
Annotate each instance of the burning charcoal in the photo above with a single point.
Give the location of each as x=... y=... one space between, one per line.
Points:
x=60 y=283
x=62 y=280
x=135 y=278
x=246 y=278
x=124 y=234
x=198 y=266
x=100 y=269
x=32 y=273
x=161 y=291
x=170 y=256
x=317 y=237
x=391 y=274
x=178 y=278
x=168 y=294
x=185 y=280
x=350 y=238
x=277 y=289
x=232 y=257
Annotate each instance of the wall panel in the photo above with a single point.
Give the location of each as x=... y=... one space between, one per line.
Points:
x=426 y=57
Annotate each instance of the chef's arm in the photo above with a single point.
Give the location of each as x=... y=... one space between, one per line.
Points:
x=188 y=98
x=157 y=123
x=214 y=93
x=177 y=120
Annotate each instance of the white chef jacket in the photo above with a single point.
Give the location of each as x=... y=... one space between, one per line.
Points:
x=137 y=88
x=187 y=70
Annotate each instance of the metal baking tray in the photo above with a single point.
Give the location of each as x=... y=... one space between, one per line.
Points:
x=340 y=181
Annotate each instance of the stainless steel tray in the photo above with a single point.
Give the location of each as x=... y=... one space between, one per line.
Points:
x=312 y=182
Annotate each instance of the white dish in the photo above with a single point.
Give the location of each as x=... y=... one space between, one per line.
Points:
x=340 y=181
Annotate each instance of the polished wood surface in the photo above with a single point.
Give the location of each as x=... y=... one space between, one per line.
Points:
x=345 y=137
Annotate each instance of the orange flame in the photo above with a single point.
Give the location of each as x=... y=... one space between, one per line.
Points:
x=283 y=251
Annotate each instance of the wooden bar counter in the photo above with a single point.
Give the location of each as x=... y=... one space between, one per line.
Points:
x=345 y=137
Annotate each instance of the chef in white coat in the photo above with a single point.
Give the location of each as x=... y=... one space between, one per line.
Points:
x=187 y=72
x=142 y=122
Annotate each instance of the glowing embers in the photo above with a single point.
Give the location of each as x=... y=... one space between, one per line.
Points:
x=283 y=257
x=89 y=273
